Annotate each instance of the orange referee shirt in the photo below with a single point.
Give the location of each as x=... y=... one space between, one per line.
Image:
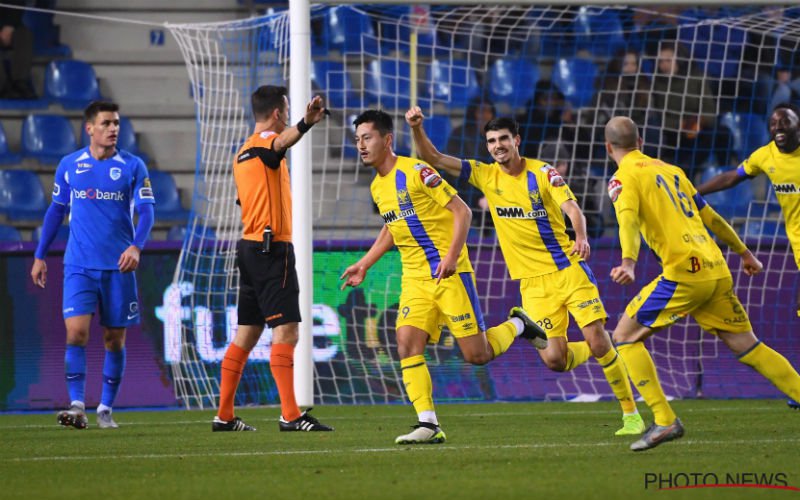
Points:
x=262 y=181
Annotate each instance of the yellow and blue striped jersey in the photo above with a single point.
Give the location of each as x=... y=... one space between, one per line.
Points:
x=411 y=199
x=526 y=210
x=783 y=171
x=668 y=208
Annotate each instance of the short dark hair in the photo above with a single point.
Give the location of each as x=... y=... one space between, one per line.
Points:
x=378 y=118
x=266 y=99
x=96 y=107
x=788 y=105
x=502 y=123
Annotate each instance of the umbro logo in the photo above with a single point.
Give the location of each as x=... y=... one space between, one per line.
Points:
x=643 y=383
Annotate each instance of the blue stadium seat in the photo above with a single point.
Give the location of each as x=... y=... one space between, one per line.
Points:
x=749 y=132
x=179 y=232
x=396 y=31
x=125 y=140
x=331 y=78
x=168 y=200
x=454 y=84
x=9 y=233
x=599 y=31
x=767 y=229
x=21 y=195
x=46 y=34
x=438 y=129
x=575 y=78
x=47 y=138
x=716 y=48
x=73 y=84
x=6 y=156
x=351 y=31
x=388 y=84
x=731 y=202
x=512 y=81
x=61 y=235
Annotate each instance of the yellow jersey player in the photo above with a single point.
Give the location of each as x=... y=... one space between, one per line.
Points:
x=657 y=199
x=526 y=198
x=780 y=161
x=428 y=222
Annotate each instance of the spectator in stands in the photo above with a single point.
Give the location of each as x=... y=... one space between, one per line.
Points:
x=589 y=191
x=686 y=107
x=548 y=116
x=103 y=251
x=16 y=43
x=468 y=140
x=624 y=91
x=786 y=87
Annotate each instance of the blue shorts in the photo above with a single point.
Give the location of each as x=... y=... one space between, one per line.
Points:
x=113 y=291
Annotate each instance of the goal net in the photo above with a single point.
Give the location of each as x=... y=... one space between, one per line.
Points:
x=700 y=83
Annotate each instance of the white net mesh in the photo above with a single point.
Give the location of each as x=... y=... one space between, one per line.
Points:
x=562 y=72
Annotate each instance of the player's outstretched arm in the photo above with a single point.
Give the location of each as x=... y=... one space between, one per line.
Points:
x=427 y=151
x=575 y=214
x=315 y=112
x=462 y=216
x=720 y=227
x=354 y=274
x=721 y=182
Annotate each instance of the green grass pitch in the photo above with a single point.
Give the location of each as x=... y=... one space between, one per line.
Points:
x=494 y=451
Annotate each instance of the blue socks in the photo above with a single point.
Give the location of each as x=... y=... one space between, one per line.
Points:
x=113 y=367
x=75 y=372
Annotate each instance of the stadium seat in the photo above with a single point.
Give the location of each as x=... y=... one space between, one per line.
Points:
x=599 y=31
x=6 y=156
x=388 y=84
x=749 y=132
x=575 y=78
x=351 y=31
x=46 y=40
x=168 y=200
x=454 y=84
x=61 y=235
x=9 y=233
x=47 y=138
x=73 y=84
x=331 y=78
x=716 y=48
x=730 y=202
x=438 y=129
x=512 y=81
x=21 y=195
x=179 y=232
x=395 y=30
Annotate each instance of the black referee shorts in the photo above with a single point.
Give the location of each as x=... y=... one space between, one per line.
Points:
x=268 y=288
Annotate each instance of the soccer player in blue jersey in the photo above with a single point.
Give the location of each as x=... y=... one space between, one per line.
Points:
x=98 y=185
x=656 y=200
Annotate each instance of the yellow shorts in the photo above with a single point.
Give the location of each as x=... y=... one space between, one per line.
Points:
x=429 y=307
x=713 y=304
x=549 y=299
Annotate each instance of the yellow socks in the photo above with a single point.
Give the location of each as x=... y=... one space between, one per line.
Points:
x=501 y=337
x=417 y=380
x=577 y=354
x=774 y=367
x=617 y=375
x=643 y=373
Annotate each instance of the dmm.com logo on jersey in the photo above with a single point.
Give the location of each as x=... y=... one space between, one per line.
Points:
x=97 y=194
x=519 y=213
